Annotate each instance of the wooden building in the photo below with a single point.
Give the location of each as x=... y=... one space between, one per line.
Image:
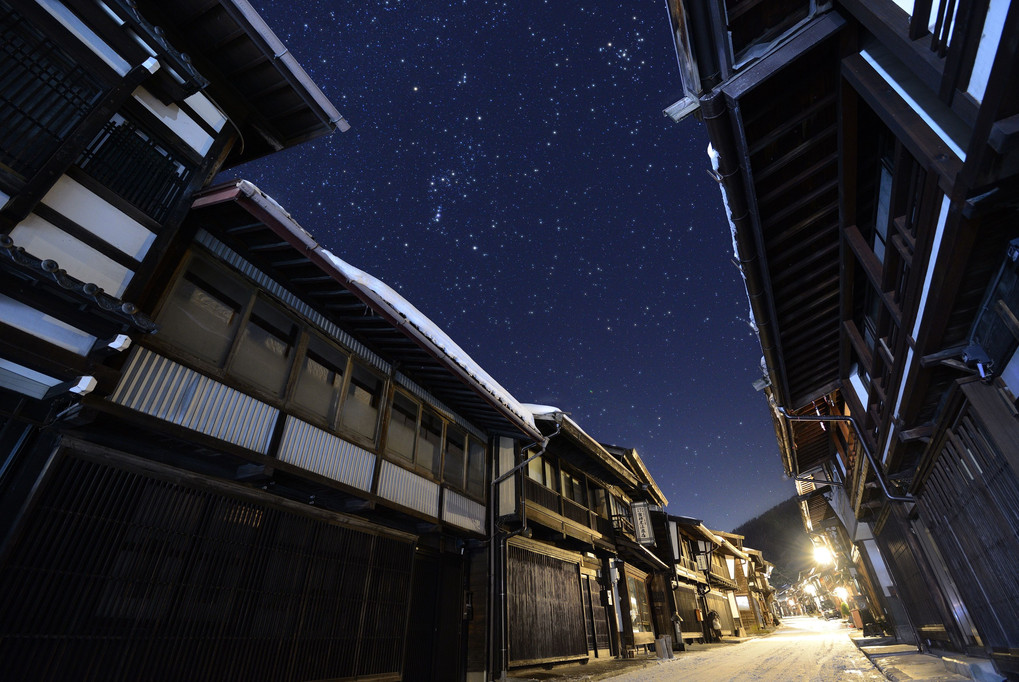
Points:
x=577 y=576
x=111 y=116
x=867 y=155
x=227 y=454
x=289 y=479
x=684 y=544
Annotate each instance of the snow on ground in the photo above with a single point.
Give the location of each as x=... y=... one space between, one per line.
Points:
x=803 y=649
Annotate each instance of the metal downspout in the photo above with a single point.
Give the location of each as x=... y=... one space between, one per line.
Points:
x=878 y=472
x=497 y=544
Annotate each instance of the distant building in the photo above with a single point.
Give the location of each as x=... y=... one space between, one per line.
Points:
x=703 y=578
x=867 y=154
x=573 y=537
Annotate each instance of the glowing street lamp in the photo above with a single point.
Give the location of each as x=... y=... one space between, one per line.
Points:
x=842 y=593
x=823 y=555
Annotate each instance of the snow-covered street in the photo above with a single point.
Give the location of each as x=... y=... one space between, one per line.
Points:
x=803 y=649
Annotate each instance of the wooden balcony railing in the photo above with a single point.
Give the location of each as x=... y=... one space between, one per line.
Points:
x=540 y=495
x=622 y=524
x=576 y=512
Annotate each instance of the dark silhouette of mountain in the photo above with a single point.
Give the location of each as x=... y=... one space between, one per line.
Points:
x=779 y=534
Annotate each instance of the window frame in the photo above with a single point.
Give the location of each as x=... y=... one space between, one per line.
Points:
x=225 y=369
x=448 y=424
x=305 y=339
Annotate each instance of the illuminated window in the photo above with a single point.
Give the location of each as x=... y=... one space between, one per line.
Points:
x=265 y=349
x=476 y=467
x=319 y=385
x=360 y=412
x=429 y=443
x=453 y=464
x=203 y=313
x=403 y=426
x=640 y=610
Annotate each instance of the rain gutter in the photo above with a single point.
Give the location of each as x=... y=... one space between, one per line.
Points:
x=725 y=162
x=875 y=467
x=291 y=71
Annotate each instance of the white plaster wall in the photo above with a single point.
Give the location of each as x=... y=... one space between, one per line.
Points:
x=44 y=240
x=38 y=323
x=99 y=217
x=182 y=125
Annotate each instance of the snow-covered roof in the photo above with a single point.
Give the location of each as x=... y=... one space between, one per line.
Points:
x=540 y=411
x=379 y=297
x=407 y=311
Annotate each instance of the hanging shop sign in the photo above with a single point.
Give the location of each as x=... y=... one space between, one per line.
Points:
x=642 y=523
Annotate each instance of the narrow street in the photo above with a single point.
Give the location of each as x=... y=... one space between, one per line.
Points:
x=804 y=649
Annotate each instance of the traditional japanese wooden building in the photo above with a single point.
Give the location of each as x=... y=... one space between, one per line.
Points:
x=682 y=543
x=289 y=479
x=227 y=454
x=574 y=558
x=867 y=154
x=111 y=116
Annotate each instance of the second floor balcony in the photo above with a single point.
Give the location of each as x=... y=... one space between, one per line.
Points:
x=548 y=507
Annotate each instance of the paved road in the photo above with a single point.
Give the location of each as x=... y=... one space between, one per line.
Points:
x=804 y=649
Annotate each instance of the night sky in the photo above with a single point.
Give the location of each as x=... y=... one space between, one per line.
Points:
x=510 y=172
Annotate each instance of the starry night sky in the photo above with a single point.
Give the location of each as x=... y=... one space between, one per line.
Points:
x=510 y=172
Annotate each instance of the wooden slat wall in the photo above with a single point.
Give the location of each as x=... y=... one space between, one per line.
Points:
x=923 y=604
x=720 y=605
x=120 y=574
x=545 y=611
x=970 y=503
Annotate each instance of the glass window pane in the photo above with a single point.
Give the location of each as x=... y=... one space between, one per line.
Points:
x=453 y=461
x=640 y=611
x=320 y=380
x=430 y=442
x=550 y=477
x=476 y=462
x=403 y=424
x=534 y=469
x=598 y=501
x=884 y=202
x=266 y=349
x=203 y=312
x=360 y=412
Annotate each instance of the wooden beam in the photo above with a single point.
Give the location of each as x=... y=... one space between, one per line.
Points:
x=873 y=268
x=1008 y=317
x=922 y=433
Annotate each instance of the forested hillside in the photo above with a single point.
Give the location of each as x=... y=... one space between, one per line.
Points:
x=779 y=534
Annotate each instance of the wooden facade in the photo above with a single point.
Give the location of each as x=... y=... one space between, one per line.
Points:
x=872 y=206
x=183 y=577
x=546 y=610
x=581 y=585
x=213 y=467
x=227 y=453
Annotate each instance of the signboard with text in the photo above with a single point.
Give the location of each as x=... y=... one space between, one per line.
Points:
x=642 y=523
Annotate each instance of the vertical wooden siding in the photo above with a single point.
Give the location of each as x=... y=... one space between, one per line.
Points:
x=545 y=611
x=911 y=583
x=972 y=486
x=119 y=575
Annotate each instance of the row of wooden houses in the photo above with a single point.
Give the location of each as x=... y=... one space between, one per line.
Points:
x=227 y=454
x=868 y=157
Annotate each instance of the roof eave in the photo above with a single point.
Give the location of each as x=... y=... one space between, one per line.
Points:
x=280 y=222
